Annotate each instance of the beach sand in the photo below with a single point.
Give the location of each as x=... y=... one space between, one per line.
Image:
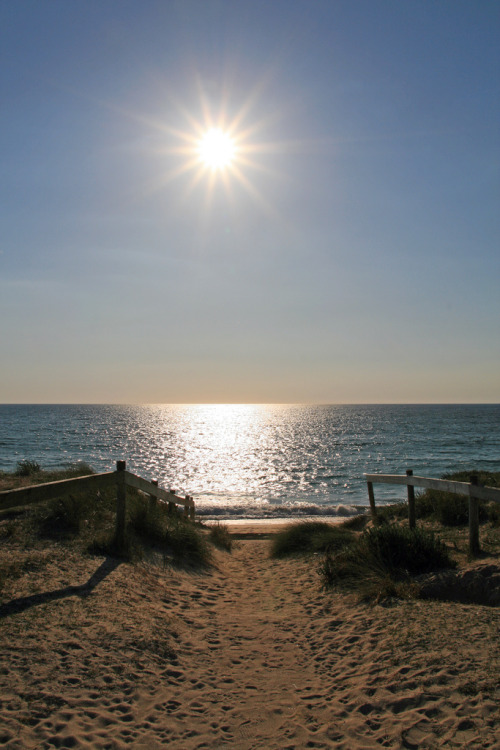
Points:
x=251 y=654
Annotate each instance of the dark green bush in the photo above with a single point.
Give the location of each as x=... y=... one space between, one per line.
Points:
x=356 y=523
x=381 y=558
x=62 y=517
x=445 y=507
x=68 y=515
x=220 y=537
x=106 y=543
x=78 y=469
x=403 y=550
x=171 y=533
x=494 y=513
x=27 y=468
x=310 y=537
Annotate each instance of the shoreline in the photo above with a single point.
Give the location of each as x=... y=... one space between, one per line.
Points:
x=241 y=528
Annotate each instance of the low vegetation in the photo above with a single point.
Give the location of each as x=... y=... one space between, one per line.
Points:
x=28 y=472
x=310 y=537
x=220 y=537
x=87 y=520
x=384 y=560
x=171 y=534
x=444 y=507
x=27 y=468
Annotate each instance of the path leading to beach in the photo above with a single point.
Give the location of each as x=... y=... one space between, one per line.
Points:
x=249 y=655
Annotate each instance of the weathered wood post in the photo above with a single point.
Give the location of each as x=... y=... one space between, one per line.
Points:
x=172 y=509
x=152 y=498
x=186 y=507
x=411 y=501
x=371 y=498
x=121 y=502
x=191 y=509
x=474 y=547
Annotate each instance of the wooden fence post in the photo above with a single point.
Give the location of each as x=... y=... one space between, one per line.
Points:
x=371 y=498
x=121 y=503
x=474 y=547
x=411 y=501
x=172 y=508
x=152 y=498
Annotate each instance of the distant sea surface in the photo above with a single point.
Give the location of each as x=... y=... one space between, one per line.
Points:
x=247 y=461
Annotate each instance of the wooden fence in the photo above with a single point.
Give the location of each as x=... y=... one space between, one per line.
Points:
x=473 y=490
x=121 y=479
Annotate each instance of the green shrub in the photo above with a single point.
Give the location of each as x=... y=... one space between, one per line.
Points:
x=403 y=550
x=68 y=515
x=494 y=513
x=220 y=537
x=63 y=517
x=382 y=559
x=171 y=533
x=77 y=469
x=310 y=537
x=187 y=543
x=446 y=508
x=27 y=468
x=106 y=543
x=356 y=523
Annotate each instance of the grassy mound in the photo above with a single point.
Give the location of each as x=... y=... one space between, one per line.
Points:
x=87 y=519
x=310 y=537
x=29 y=472
x=172 y=534
x=382 y=560
x=220 y=537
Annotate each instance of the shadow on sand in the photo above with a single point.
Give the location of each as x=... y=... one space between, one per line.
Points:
x=26 y=602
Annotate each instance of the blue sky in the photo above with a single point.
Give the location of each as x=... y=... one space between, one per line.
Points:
x=351 y=255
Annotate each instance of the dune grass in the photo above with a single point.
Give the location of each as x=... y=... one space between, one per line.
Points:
x=174 y=536
x=446 y=508
x=310 y=537
x=382 y=561
x=29 y=472
x=220 y=537
x=87 y=519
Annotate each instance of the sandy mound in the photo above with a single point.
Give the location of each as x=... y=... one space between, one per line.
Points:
x=248 y=655
x=477 y=584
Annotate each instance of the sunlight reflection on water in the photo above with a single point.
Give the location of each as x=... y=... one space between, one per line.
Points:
x=258 y=458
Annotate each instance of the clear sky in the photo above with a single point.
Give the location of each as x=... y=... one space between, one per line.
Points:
x=349 y=254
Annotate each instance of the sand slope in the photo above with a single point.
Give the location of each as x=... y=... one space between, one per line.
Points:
x=249 y=655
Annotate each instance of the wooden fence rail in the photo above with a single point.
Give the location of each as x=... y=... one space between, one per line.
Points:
x=121 y=479
x=473 y=490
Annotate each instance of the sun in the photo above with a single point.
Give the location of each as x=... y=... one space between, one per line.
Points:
x=216 y=149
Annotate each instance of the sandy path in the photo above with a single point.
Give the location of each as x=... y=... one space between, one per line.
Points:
x=263 y=659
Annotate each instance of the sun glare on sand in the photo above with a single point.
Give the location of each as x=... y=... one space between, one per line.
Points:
x=216 y=149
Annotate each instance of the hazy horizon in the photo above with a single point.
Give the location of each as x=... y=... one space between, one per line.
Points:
x=249 y=403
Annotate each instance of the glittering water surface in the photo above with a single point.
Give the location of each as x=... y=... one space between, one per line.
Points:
x=252 y=460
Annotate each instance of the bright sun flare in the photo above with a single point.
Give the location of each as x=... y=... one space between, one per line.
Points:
x=216 y=149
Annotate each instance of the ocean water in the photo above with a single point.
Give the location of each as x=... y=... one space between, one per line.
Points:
x=259 y=460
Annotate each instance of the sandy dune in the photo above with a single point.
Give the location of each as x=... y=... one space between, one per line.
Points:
x=249 y=655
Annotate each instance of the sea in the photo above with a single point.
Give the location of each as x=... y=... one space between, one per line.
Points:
x=259 y=461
